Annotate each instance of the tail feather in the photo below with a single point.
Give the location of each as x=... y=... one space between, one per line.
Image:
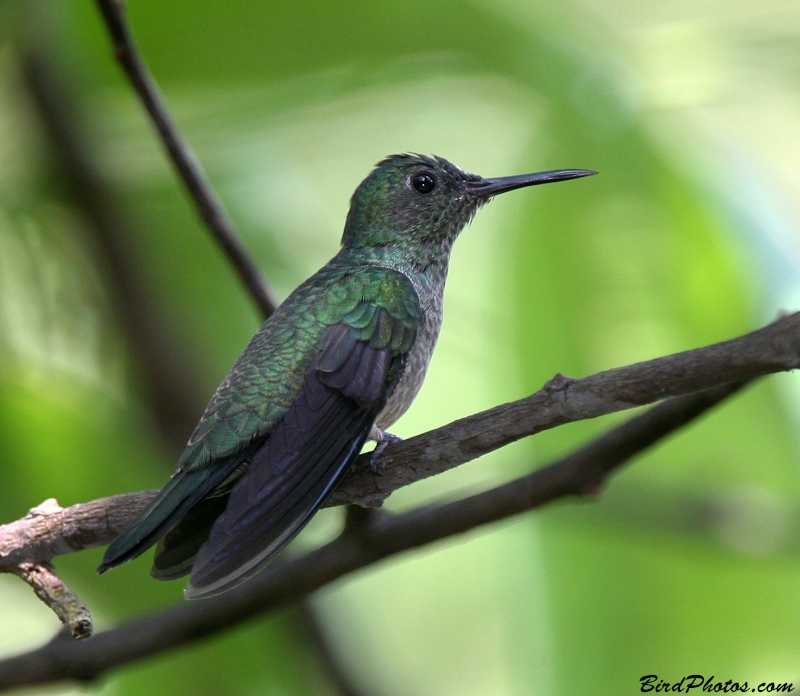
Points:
x=177 y=549
x=183 y=491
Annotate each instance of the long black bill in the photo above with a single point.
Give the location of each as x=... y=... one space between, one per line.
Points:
x=491 y=187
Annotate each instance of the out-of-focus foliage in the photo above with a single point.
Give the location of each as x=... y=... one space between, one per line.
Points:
x=688 y=563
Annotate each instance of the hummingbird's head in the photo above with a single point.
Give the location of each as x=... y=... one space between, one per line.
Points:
x=419 y=204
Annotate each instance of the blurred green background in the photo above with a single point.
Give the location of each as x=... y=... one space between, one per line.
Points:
x=119 y=317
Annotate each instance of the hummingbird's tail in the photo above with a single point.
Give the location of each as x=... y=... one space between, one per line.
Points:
x=183 y=492
x=288 y=480
x=176 y=550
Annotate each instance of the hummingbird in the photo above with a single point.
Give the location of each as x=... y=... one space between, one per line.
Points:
x=336 y=364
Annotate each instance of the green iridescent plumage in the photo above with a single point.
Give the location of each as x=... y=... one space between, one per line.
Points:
x=266 y=379
x=341 y=359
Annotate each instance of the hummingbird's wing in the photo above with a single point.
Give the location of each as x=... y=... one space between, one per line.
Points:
x=310 y=450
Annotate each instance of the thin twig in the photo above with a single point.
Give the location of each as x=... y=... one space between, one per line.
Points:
x=53 y=591
x=171 y=392
x=209 y=206
x=384 y=536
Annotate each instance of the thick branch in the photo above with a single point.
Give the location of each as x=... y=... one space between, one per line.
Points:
x=50 y=530
x=775 y=348
x=41 y=536
x=209 y=206
x=376 y=537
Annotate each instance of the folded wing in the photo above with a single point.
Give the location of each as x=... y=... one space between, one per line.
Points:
x=309 y=450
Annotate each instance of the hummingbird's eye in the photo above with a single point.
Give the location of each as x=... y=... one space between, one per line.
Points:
x=423 y=182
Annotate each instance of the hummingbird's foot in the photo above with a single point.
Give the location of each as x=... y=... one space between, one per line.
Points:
x=383 y=439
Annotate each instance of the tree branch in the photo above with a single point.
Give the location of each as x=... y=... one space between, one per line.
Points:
x=377 y=537
x=48 y=533
x=774 y=348
x=209 y=206
x=49 y=530
x=52 y=590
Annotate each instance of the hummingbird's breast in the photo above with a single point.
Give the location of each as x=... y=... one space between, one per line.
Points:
x=430 y=291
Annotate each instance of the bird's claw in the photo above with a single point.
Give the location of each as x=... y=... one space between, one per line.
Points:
x=383 y=439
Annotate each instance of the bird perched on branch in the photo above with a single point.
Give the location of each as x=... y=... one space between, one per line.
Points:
x=337 y=363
